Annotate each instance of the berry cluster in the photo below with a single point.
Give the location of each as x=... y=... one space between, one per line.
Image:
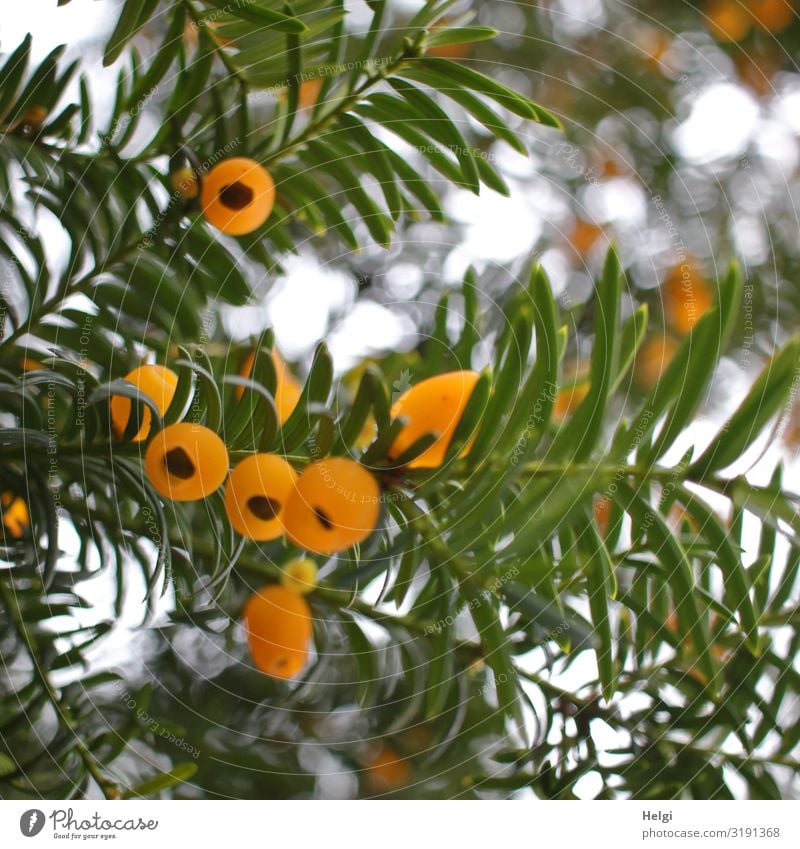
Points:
x=330 y=505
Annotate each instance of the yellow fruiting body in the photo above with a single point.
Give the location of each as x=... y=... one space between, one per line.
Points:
x=16 y=519
x=653 y=358
x=387 y=770
x=184 y=183
x=300 y=575
x=367 y=434
x=728 y=20
x=279 y=631
x=287 y=390
x=456 y=50
x=237 y=196
x=186 y=462
x=309 y=93
x=158 y=383
x=335 y=505
x=256 y=494
x=568 y=400
x=758 y=67
x=584 y=235
x=34 y=117
x=602 y=513
x=432 y=406
x=772 y=15
x=687 y=296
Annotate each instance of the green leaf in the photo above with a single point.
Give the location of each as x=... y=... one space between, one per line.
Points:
x=12 y=74
x=376 y=160
x=315 y=394
x=163 y=781
x=442 y=36
x=511 y=367
x=631 y=337
x=467 y=78
x=679 y=574
x=767 y=396
x=486 y=116
x=135 y=14
x=679 y=390
x=436 y=123
x=601 y=584
x=378 y=224
x=579 y=436
x=253 y=11
x=497 y=655
x=737 y=585
x=166 y=55
x=40 y=85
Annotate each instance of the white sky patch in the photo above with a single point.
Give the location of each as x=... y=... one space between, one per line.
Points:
x=358 y=15
x=300 y=304
x=621 y=200
x=750 y=238
x=787 y=108
x=579 y=17
x=588 y=786
x=555 y=263
x=403 y=280
x=513 y=164
x=369 y=328
x=777 y=142
x=69 y=24
x=720 y=125
x=498 y=228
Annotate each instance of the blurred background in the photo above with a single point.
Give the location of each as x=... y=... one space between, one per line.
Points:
x=681 y=144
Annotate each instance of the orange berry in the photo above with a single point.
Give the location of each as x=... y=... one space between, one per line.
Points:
x=186 y=462
x=728 y=20
x=34 y=117
x=184 y=183
x=602 y=514
x=279 y=631
x=190 y=33
x=287 y=390
x=14 y=510
x=335 y=504
x=256 y=494
x=449 y=51
x=686 y=297
x=584 y=235
x=671 y=622
x=158 y=383
x=654 y=44
x=432 y=406
x=367 y=435
x=653 y=358
x=237 y=196
x=309 y=93
x=772 y=15
x=300 y=575
x=791 y=434
x=568 y=399
x=387 y=770
x=757 y=69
